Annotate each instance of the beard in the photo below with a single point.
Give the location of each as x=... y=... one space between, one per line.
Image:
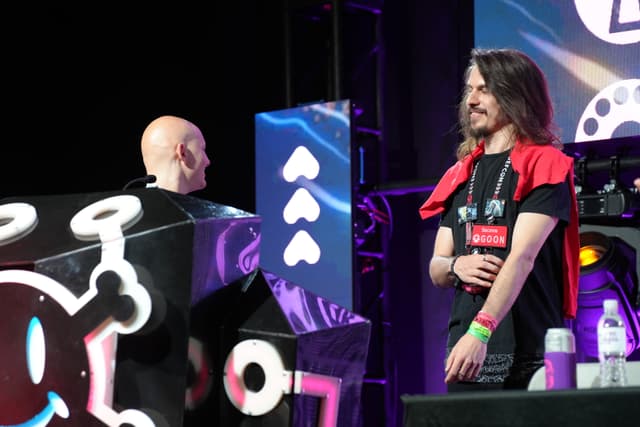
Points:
x=484 y=130
x=479 y=132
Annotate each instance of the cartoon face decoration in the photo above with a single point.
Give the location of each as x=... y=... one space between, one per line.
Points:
x=58 y=350
x=68 y=293
x=38 y=354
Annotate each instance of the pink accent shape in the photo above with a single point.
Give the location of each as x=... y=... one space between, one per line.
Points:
x=236 y=385
x=328 y=389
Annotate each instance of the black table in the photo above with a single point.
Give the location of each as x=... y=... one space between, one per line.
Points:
x=612 y=407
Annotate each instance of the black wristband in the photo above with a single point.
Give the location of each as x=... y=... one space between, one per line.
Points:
x=452 y=273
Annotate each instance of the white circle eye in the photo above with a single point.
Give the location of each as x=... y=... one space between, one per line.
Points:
x=276 y=380
x=125 y=210
x=18 y=219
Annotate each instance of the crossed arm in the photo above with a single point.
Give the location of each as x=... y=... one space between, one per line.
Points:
x=504 y=278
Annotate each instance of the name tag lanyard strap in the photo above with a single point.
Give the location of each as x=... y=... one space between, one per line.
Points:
x=496 y=194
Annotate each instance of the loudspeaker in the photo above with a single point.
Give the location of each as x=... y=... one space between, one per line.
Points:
x=98 y=288
x=275 y=354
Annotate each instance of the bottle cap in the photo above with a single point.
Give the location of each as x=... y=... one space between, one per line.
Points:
x=610 y=305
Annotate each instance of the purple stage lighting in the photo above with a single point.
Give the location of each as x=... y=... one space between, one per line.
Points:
x=607 y=272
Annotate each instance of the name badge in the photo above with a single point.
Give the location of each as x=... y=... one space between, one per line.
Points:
x=489 y=236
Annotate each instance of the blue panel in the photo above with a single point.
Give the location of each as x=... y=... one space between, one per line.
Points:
x=304 y=197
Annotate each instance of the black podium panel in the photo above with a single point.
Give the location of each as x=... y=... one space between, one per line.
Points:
x=107 y=281
x=579 y=408
x=276 y=353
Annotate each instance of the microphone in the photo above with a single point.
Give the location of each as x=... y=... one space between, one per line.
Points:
x=147 y=179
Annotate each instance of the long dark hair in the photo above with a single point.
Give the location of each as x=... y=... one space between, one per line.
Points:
x=520 y=88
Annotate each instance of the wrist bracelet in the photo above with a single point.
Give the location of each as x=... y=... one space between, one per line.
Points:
x=486 y=320
x=479 y=331
x=457 y=282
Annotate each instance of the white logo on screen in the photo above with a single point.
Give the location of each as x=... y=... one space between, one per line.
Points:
x=614 y=21
x=301 y=205
x=301 y=248
x=300 y=163
x=616 y=105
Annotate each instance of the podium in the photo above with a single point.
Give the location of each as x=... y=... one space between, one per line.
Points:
x=280 y=355
x=96 y=291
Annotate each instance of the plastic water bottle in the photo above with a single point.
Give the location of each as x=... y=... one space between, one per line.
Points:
x=612 y=345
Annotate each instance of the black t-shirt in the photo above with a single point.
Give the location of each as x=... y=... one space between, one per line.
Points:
x=539 y=304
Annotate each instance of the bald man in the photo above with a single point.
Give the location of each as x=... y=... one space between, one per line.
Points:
x=173 y=149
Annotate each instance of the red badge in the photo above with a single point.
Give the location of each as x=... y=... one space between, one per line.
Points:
x=489 y=236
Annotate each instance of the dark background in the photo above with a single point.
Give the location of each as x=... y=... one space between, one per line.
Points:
x=81 y=83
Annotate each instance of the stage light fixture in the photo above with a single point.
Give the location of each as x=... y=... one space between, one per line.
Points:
x=607 y=271
x=590 y=254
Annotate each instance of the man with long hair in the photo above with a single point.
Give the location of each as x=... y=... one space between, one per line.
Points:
x=507 y=241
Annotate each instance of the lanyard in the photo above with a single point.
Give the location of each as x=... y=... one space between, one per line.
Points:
x=496 y=192
x=470 y=204
x=503 y=173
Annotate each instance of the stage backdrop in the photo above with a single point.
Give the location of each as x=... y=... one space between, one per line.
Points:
x=589 y=50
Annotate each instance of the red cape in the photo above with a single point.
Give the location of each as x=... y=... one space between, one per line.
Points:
x=536 y=165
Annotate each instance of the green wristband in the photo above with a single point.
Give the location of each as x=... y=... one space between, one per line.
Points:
x=481 y=332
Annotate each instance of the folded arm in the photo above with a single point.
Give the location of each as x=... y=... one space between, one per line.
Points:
x=529 y=234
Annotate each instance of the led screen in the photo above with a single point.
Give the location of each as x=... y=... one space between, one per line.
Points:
x=303 y=195
x=589 y=51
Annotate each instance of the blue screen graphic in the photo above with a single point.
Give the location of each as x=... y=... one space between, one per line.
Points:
x=589 y=51
x=304 y=197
